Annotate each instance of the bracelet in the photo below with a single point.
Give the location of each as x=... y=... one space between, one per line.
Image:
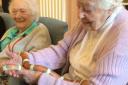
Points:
x=32 y=67
x=48 y=71
x=24 y=60
x=19 y=67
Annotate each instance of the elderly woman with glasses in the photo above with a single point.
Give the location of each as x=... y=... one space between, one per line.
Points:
x=27 y=34
x=95 y=52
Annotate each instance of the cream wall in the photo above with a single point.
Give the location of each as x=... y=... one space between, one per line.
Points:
x=71 y=11
x=38 y=2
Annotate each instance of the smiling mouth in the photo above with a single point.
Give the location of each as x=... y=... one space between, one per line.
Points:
x=20 y=20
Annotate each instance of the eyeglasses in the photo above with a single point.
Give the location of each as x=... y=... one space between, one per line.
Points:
x=20 y=11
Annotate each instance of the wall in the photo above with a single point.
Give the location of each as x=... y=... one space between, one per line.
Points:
x=71 y=13
x=0 y=2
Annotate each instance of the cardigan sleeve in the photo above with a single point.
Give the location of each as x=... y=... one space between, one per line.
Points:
x=54 y=56
x=110 y=70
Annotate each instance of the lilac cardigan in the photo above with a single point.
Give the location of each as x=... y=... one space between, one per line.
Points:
x=111 y=57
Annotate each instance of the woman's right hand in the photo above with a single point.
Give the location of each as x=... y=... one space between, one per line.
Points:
x=14 y=58
x=28 y=75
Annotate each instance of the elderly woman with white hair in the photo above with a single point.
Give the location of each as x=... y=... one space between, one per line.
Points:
x=27 y=34
x=95 y=52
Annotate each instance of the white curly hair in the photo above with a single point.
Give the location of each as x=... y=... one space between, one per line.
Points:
x=107 y=4
x=32 y=6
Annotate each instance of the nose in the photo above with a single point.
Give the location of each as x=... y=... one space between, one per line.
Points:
x=81 y=15
x=17 y=14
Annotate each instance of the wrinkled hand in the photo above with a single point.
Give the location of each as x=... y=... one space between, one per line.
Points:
x=14 y=58
x=29 y=76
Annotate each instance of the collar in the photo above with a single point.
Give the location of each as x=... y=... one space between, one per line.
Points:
x=13 y=32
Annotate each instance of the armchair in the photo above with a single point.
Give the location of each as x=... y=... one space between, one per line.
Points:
x=56 y=27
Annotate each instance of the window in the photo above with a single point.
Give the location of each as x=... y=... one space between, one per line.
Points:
x=53 y=8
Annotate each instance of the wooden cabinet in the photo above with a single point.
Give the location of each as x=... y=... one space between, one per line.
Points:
x=71 y=13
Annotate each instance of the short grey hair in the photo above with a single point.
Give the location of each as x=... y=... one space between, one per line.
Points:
x=32 y=5
x=107 y=4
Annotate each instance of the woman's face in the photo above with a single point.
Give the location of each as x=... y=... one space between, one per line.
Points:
x=90 y=14
x=21 y=14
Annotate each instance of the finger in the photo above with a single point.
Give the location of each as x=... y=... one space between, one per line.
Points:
x=6 y=72
x=10 y=73
x=23 y=72
x=9 y=62
x=10 y=54
x=14 y=75
x=18 y=75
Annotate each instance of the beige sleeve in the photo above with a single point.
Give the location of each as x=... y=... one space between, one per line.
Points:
x=41 y=39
